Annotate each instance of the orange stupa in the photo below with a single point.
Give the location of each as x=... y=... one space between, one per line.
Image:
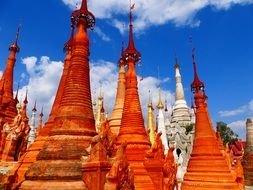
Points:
x=58 y=164
x=18 y=172
x=132 y=128
x=50 y=122
x=8 y=104
x=208 y=167
x=116 y=116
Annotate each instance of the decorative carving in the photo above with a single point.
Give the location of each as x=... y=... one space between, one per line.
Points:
x=15 y=136
x=106 y=137
x=239 y=174
x=157 y=149
x=170 y=171
x=120 y=176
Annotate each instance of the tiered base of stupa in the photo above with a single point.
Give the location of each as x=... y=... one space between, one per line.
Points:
x=209 y=172
x=58 y=164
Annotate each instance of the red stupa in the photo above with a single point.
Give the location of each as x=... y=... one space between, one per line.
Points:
x=71 y=123
x=7 y=102
x=132 y=128
x=208 y=166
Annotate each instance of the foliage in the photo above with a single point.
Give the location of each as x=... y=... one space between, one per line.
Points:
x=227 y=134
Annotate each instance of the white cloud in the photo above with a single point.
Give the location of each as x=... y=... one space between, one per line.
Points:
x=234 y=112
x=237 y=124
x=239 y=127
x=251 y=105
x=226 y=4
x=120 y=25
x=153 y=12
x=167 y=79
x=101 y=34
x=44 y=75
x=30 y=63
x=237 y=111
x=107 y=78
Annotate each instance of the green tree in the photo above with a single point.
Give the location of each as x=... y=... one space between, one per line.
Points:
x=227 y=134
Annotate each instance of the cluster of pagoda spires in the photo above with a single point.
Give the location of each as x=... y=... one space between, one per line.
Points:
x=16 y=133
x=70 y=153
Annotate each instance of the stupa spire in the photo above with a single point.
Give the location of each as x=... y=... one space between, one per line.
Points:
x=131 y=50
x=40 y=123
x=14 y=47
x=161 y=123
x=160 y=103
x=132 y=113
x=76 y=96
x=54 y=110
x=248 y=154
x=151 y=120
x=116 y=116
x=166 y=106
x=34 y=107
x=25 y=102
x=8 y=72
x=201 y=172
x=196 y=84
x=99 y=115
x=74 y=124
x=180 y=112
x=83 y=14
x=16 y=96
x=132 y=130
x=32 y=133
x=179 y=86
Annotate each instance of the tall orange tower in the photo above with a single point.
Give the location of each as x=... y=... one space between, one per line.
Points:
x=8 y=104
x=17 y=174
x=50 y=122
x=116 y=116
x=58 y=164
x=208 y=167
x=132 y=128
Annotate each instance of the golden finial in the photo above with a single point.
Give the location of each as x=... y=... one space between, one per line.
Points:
x=160 y=104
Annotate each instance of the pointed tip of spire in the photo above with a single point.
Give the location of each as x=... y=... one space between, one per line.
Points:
x=16 y=97
x=41 y=113
x=14 y=46
x=149 y=93
x=177 y=66
x=160 y=104
x=150 y=104
x=102 y=107
x=100 y=92
x=196 y=84
x=166 y=106
x=17 y=34
x=121 y=61
x=131 y=50
x=34 y=107
x=83 y=14
x=84 y=6
x=26 y=94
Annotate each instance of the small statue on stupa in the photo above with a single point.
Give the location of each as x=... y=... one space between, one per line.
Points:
x=15 y=136
x=170 y=171
x=121 y=175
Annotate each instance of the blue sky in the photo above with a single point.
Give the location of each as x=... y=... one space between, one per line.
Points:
x=222 y=33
